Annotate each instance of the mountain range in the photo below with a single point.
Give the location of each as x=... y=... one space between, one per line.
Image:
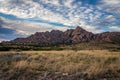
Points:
x=70 y=36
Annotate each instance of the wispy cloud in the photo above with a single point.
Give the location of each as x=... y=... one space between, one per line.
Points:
x=115 y=28
x=66 y=12
x=110 y=6
x=27 y=27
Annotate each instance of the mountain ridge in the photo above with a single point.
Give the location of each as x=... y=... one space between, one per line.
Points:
x=69 y=36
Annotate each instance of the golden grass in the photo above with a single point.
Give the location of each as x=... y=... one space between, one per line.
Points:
x=21 y=64
x=93 y=63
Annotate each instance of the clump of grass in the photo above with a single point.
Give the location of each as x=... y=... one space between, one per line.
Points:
x=111 y=60
x=23 y=64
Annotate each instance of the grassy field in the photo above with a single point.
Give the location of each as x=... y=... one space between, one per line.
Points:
x=60 y=65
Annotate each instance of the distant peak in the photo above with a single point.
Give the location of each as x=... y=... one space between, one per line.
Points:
x=78 y=28
x=54 y=31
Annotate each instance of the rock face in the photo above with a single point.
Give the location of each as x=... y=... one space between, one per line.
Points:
x=78 y=35
x=70 y=36
x=108 y=37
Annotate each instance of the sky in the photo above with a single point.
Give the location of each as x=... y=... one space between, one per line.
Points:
x=21 y=18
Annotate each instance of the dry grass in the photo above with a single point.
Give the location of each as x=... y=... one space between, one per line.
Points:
x=59 y=65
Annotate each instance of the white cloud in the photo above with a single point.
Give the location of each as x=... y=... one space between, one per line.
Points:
x=3 y=40
x=31 y=9
x=25 y=28
x=108 y=20
x=54 y=2
x=115 y=28
x=68 y=3
x=111 y=2
x=21 y=32
x=110 y=10
x=110 y=6
x=64 y=12
x=93 y=28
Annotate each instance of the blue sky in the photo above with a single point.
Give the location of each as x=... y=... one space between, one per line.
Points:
x=21 y=18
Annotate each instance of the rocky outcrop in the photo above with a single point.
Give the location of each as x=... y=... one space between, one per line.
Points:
x=78 y=35
x=108 y=37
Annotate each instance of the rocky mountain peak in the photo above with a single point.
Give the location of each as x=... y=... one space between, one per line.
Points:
x=78 y=28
